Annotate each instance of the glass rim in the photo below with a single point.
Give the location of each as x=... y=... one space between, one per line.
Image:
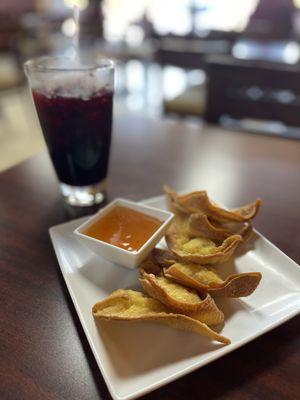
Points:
x=39 y=64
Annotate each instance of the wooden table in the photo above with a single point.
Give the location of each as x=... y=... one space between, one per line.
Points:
x=44 y=352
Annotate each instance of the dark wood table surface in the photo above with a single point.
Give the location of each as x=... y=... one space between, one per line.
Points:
x=44 y=353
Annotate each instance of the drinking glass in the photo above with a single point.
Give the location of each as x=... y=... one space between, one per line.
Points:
x=74 y=102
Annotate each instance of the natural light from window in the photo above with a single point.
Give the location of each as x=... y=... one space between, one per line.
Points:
x=176 y=16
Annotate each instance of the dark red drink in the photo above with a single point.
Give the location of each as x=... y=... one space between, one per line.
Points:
x=78 y=134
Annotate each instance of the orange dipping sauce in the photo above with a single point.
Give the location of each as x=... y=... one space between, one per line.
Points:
x=124 y=227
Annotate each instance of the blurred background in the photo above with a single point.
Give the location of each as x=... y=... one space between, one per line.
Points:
x=228 y=62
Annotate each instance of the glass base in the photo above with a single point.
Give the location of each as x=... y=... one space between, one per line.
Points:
x=84 y=196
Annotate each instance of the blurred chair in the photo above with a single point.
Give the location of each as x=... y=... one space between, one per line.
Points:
x=270 y=34
x=190 y=53
x=257 y=90
x=272 y=20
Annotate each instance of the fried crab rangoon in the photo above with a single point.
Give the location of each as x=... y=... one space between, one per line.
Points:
x=199 y=202
x=201 y=278
x=206 y=226
x=206 y=279
x=179 y=298
x=129 y=305
x=184 y=241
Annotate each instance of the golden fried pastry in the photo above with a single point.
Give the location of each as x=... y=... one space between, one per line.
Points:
x=199 y=202
x=181 y=299
x=200 y=225
x=199 y=250
x=206 y=279
x=129 y=305
x=199 y=277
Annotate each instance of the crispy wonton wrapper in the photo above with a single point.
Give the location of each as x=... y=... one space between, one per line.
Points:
x=200 y=225
x=129 y=305
x=181 y=299
x=206 y=279
x=199 y=250
x=199 y=202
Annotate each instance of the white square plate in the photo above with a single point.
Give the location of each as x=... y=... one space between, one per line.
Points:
x=135 y=358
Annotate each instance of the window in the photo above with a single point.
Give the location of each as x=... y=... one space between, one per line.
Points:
x=176 y=16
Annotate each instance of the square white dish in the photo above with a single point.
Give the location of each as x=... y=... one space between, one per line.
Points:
x=129 y=259
x=136 y=358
